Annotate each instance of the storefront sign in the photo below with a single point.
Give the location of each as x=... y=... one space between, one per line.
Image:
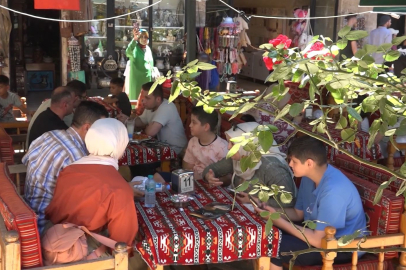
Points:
x=59 y=4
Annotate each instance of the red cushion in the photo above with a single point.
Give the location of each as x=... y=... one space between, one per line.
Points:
x=384 y=217
x=20 y=217
x=6 y=147
x=374 y=175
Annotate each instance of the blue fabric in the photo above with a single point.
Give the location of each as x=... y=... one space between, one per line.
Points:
x=215 y=78
x=335 y=202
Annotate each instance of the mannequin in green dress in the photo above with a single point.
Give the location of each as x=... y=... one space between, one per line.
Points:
x=141 y=62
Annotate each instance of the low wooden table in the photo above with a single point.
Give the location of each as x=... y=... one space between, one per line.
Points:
x=170 y=236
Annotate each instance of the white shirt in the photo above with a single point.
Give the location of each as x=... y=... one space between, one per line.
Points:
x=378 y=37
x=172 y=131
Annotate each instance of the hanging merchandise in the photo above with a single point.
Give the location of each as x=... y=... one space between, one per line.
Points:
x=74 y=53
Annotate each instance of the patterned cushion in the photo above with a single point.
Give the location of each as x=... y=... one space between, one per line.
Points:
x=20 y=217
x=6 y=148
x=376 y=176
x=367 y=262
x=384 y=217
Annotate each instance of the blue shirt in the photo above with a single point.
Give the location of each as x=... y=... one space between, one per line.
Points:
x=335 y=201
x=45 y=159
x=378 y=37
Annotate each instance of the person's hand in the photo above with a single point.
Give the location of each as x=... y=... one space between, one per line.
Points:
x=137 y=193
x=264 y=208
x=212 y=179
x=136 y=33
x=122 y=118
x=242 y=197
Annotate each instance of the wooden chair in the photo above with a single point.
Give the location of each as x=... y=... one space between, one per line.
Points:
x=20 y=245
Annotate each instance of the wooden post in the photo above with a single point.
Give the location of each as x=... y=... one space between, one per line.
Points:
x=263 y=263
x=391 y=152
x=402 y=259
x=120 y=257
x=64 y=53
x=12 y=252
x=329 y=242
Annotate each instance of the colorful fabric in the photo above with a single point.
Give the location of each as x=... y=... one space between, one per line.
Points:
x=358 y=147
x=45 y=159
x=18 y=216
x=113 y=110
x=171 y=236
x=146 y=152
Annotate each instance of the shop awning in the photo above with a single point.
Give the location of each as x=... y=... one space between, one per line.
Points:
x=382 y=3
x=57 y=4
x=397 y=10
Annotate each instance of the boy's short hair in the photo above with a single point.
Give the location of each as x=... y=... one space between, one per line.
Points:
x=117 y=81
x=77 y=86
x=306 y=147
x=206 y=118
x=4 y=80
x=158 y=92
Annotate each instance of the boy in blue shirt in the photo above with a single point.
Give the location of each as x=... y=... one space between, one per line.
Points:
x=325 y=195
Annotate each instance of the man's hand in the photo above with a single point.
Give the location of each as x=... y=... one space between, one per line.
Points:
x=212 y=179
x=137 y=193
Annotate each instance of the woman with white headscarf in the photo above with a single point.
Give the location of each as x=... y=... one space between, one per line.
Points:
x=90 y=192
x=271 y=169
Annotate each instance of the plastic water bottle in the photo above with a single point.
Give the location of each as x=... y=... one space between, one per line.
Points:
x=150 y=188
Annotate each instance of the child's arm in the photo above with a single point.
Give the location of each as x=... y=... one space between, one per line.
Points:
x=110 y=100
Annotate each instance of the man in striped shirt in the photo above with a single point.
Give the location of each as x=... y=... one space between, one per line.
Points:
x=52 y=152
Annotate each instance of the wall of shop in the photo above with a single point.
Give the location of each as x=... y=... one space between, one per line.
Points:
x=351 y=6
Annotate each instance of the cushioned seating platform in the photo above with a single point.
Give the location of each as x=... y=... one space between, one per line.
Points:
x=20 y=217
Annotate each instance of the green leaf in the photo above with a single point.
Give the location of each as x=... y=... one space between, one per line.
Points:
x=297 y=75
x=360 y=53
x=402 y=188
x=193 y=70
x=192 y=63
x=266 y=46
x=268 y=226
x=264 y=214
x=233 y=150
x=312 y=91
x=392 y=56
x=286 y=198
x=263 y=196
x=370 y=48
x=154 y=86
x=175 y=93
x=275 y=216
x=398 y=40
x=342 y=43
x=354 y=114
x=265 y=139
x=205 y=66
x=254 y=191
x=208 y=109
x=245 y=163
x=381 y=188
x=403 y=169
x=362 y=64
x=348 y=135
x=390 y=132
x=243 y=187
x=295 y=109
x=246 y=107
x=356 y=35
x=345 y=240
x=344 y=31
x=186 y=93
x=282 y=113
x=311 y=225
x=383 y=48
x=342 y=123
x=368 y=59
x=214 y=101
x=321 y=128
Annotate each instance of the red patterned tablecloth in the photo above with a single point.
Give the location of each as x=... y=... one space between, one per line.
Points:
x=146 y=152
x=113 y=111
x=171 y=236
x=362 y=137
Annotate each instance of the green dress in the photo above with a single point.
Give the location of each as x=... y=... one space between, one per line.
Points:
x=141 y=66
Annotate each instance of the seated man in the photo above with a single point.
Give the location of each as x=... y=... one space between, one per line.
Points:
x=80 y=92
x=325 y=195
x=62 y=101
x=52 y=152
x=161 y=119
x=90 y=192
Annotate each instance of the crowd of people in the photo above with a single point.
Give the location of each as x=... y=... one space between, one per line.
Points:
x=72 y=168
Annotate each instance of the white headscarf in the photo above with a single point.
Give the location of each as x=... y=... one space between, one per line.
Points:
x=273 y=151
x=106 y=141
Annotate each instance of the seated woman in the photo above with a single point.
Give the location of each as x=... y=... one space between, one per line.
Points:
x=90 y=192
x=284 y=129
x=271 y=169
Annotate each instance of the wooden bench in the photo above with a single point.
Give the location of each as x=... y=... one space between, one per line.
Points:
x=20 y=246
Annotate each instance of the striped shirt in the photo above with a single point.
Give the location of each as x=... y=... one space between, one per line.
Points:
x=45 y=159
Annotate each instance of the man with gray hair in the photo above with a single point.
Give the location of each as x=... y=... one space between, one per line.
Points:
x=380 y=36
x=62 y=102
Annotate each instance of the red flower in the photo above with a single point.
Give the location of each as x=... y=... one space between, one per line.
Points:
x=317 y=46
x=281 y=39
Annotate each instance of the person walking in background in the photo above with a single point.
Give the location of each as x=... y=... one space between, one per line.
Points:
x=351 y=48
x=380 y=36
